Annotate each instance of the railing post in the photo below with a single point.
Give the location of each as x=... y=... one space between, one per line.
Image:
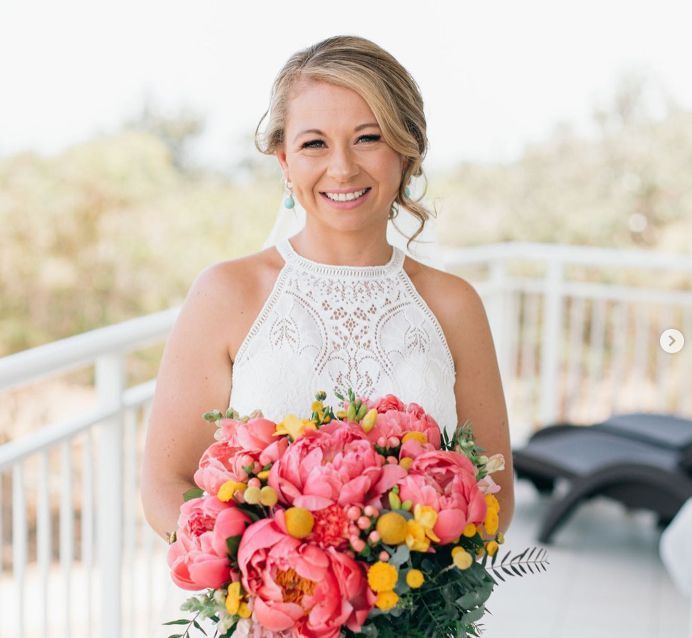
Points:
x=497 y=314
x=110 y=385
x=551 y=346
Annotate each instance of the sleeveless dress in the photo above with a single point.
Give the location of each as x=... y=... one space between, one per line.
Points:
x=327 y=327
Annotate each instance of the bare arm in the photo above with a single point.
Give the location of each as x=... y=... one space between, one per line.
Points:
x=194 y=377
x=478 y=387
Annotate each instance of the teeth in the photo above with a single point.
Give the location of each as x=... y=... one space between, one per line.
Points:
x=345 y=197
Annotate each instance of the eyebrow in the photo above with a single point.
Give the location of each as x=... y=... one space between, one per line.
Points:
x=318 y=132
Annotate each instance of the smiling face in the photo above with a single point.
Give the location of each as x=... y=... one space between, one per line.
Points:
x=343 y=172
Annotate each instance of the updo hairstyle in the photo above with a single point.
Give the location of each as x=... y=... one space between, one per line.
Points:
x=386 y=86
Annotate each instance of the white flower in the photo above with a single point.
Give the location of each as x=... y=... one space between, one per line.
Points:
x=242 y=629
x=495 y=463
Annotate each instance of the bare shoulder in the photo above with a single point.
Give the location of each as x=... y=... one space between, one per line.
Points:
x=237 y=288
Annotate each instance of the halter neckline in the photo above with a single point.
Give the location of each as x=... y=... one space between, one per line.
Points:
x=288 y=252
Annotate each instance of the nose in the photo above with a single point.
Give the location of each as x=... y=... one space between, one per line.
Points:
x=342 y=164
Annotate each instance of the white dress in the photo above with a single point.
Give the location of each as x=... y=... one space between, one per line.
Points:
x=326 y=327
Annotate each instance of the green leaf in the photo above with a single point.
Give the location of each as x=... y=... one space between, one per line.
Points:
x=232 y=543
x=400 y=556
x=193 y=492
x=474 y=615
x=181 y=621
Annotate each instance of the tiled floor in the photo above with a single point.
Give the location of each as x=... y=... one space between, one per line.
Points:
x=605 y=578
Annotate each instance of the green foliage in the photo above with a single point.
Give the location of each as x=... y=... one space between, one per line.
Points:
x=116 y=221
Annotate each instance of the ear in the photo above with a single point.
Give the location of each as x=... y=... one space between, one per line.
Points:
x=281 y=157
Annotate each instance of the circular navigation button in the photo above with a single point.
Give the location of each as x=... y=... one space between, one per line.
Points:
x=672 y=341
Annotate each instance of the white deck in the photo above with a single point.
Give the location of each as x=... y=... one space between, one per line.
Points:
x=605 y=578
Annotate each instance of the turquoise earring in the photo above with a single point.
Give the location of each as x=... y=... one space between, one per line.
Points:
x=289 y=202
x=407 y=192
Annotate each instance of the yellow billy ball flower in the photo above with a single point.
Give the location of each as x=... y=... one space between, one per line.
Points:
x=299 y=522
x=406 y=462
x=386 y=600
x=491 y=548
x=233 y=598
x=392 y=528
x=492 y=502
x=268 y=496
x=470 y=530
x=415 y=578
x=228 y=489
x=462 y=559
x=252 y=495
x=491 y=521
x=416 y=436
x=382 y=577
x=244 y=611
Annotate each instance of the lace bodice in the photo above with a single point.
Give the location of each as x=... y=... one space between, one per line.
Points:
x=326 y=327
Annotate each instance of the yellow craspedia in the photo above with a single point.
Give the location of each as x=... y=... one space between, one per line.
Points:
x=252 y=495
x=233 y=598
x=268 y=496
x=228 y=489
x=492 y=502
x=317 y=406
x=244 y=611
x=415 y=578
x=392 y=528
x=299 y=522
x=406 y=463
x=470 y=530
x=491 y=548
x=491 y=521
x=462 y=559
x=416 y=436
x=382 y=577
x=386 y=600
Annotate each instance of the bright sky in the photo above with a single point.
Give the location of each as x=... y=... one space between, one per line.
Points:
x=494 y=74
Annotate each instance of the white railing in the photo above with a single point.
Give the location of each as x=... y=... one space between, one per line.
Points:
x=573 y=343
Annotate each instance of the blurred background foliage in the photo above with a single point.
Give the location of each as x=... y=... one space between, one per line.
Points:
x=118 y=226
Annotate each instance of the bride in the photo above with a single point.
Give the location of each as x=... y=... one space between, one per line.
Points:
x=335 y=305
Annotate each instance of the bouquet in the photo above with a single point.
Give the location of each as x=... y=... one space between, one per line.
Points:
x=367 y=521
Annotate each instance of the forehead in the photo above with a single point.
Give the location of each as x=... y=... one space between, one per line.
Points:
x=320 y=104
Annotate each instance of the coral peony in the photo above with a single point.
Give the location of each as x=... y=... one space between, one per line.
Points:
x=299 y=585
x=333 y=465
x=446 y=481
x=199 y=556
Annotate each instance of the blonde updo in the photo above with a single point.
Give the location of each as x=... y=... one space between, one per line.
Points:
x=386 y=86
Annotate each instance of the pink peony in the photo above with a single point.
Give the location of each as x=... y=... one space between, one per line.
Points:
x=394 y=423
x=301 y=586
x=199 y=556
x=389 y=402
x=333 y=465
x=242 y=444
x=446 y=481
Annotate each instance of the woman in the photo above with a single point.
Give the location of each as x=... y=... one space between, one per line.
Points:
x=335 y=306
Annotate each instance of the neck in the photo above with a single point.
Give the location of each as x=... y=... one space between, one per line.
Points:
x=342 y=249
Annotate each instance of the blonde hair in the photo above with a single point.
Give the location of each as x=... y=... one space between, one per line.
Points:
x=386 y=86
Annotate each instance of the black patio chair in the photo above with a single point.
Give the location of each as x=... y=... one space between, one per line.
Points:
x=642 y=460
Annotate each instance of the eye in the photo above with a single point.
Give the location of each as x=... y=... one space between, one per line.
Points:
x=311 y=144
x=370 y=138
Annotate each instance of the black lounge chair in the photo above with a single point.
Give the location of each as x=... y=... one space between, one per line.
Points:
x=642 y=460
